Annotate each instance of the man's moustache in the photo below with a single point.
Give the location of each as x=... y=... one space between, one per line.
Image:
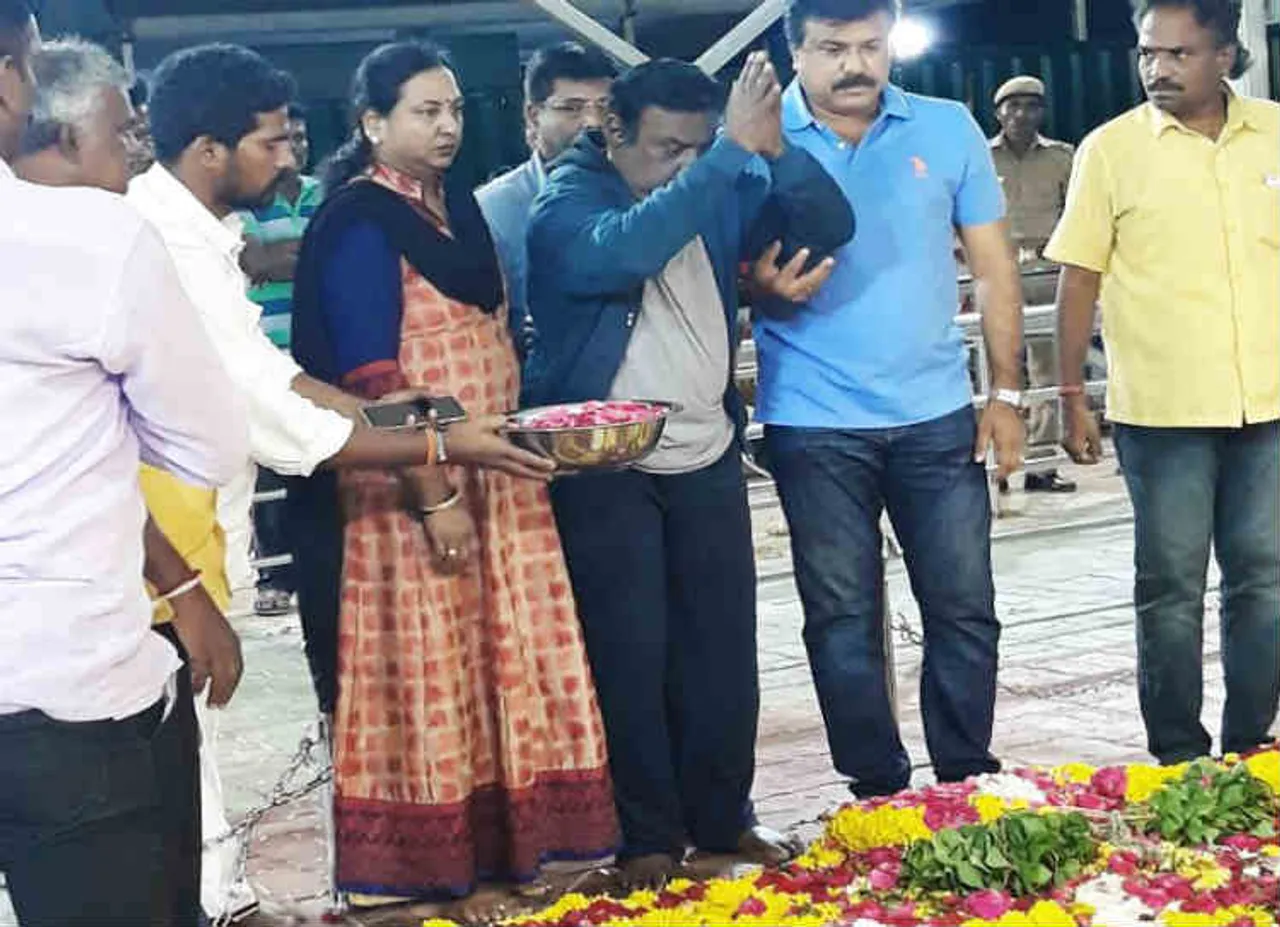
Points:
x=855 y=83
x=1163 y=85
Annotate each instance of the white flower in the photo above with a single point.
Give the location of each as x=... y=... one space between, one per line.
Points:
x=1010 y=788
x=1111 y=903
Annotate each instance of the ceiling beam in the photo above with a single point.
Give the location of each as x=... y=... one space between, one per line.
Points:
x=591 y=31
x=741 y=35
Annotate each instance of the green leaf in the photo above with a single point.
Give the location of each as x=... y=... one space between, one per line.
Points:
x=969 y=875
x=995 y=859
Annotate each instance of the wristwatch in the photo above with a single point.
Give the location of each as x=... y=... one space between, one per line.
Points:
x=1010 y=397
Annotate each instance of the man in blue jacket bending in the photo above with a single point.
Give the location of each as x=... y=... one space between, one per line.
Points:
x=634 y=251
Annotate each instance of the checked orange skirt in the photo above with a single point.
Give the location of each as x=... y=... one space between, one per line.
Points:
x=468 y=742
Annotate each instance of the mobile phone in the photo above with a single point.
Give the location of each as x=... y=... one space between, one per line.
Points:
x=414 y=413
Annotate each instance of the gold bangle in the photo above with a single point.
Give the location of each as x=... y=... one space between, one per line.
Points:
x=433 y=447
x=455 y=496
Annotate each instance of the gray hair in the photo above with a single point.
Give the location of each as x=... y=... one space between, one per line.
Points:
x=70 y=74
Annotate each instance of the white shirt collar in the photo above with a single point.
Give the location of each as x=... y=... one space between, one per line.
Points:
x=6 y=172
x=181 y=207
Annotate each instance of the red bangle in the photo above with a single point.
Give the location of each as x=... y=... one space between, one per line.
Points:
x=1071 y=389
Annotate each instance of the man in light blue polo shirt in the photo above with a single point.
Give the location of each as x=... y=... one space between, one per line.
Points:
x=865 y=393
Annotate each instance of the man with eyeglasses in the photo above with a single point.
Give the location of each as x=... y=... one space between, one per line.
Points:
x=566 y=89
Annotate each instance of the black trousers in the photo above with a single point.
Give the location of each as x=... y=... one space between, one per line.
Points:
x=81 y=832
x=100 y=821
x=271 y=534
x=180 y=795
x=664 y=574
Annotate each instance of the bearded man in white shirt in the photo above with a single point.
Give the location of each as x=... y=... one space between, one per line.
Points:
x=101 y=368
x=220 y=126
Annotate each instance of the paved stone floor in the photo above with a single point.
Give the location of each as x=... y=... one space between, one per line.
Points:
x=1067 y=690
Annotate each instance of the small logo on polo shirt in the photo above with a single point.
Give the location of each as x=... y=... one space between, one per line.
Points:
x=921 y=169
x=1272 y=181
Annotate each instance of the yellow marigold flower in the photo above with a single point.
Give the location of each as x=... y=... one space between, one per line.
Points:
x=1078 y=773
x=641 y=899
x=661 y=917
x=676 y=886
x=991 y=807
x=822 y=855
x=858 y=829
x=1042 y=914
x=725 y=896
x=1206 y=875
x=1145 y=781
x=1223 y=917
x=573 y=901
x=1271 y=850
x=1266 y=766
x=439 y=922
x=1050 y=914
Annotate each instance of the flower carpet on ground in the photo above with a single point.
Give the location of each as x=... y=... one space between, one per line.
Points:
x=1184 y=846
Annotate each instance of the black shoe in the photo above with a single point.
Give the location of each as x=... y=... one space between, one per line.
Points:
x=1048 y=481
x=866 y=790
x=990 y=766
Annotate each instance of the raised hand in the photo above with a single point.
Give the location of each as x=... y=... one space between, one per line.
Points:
x=753 y=115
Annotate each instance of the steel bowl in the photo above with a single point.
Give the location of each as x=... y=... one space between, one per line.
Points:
x=597 y=447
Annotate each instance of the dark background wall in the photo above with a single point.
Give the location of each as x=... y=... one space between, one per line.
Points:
x=978 y=45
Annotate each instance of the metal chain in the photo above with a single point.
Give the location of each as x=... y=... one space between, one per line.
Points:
x=906 y=634
x=283 y=793
x=901 y=627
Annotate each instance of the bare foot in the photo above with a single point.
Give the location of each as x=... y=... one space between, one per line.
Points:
x=767 y=847
x=650 y=872
x=487 y=905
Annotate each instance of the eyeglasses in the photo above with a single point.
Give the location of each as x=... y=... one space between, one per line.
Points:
x=578 y=107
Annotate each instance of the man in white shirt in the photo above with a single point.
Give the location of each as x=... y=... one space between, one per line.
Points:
x=219 y=122
x=220 y=126
x=102 y=366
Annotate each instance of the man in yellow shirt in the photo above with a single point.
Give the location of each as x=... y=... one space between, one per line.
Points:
x=1173 y=219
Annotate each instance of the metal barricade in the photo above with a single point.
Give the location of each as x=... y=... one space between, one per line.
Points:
x=1040 y=332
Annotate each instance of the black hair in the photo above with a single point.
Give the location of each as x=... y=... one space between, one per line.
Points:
x=139 y=93
x=842 y=11
x=563 y=61
x=212 y=90
x=1221 y=17
x=297 y=112
x=15 y=18
x=664 y=83
x=376 y=86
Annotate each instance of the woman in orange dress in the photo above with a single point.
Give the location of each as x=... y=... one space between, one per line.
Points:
x=468 y=743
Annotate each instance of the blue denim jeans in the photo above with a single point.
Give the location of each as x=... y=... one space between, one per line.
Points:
x=1193 y=489
x=834 y=486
